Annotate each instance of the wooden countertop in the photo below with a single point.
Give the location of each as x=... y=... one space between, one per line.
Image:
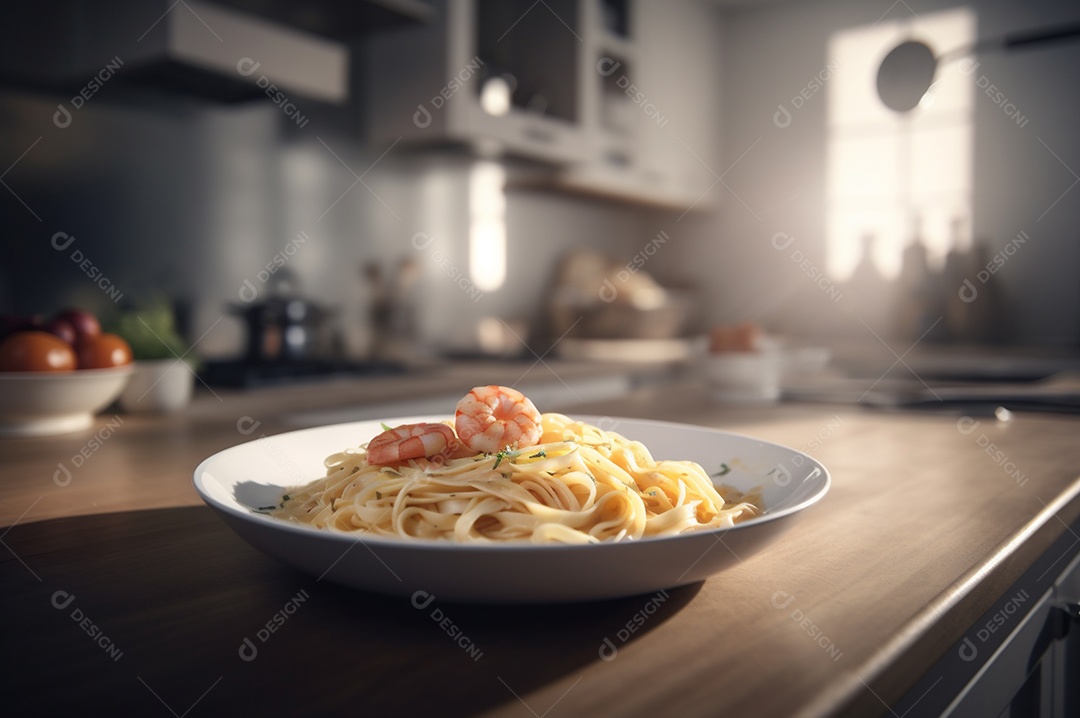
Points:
x=124 y=593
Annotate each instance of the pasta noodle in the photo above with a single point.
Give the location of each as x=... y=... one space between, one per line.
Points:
x=579 y=484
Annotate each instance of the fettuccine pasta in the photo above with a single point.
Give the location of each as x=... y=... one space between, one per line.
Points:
x=577 y=484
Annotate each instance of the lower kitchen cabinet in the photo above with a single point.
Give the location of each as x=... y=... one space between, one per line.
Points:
x=1026 y=650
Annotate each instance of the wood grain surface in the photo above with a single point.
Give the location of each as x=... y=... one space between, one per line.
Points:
x=921 y=533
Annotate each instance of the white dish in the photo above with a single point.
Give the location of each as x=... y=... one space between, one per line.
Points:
x=35 y=403
x=158 y=385
x=254 y=474
x=759 y=376
x=744 y=376
x=630 y=350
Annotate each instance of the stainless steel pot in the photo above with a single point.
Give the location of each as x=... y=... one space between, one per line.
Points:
x=284 y=327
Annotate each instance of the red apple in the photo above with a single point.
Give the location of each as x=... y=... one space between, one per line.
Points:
x=63 y=329
x=85 y=324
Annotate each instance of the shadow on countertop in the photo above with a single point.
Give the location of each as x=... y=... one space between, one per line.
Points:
x=168 y=609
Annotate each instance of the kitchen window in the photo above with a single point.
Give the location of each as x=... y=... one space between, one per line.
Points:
x=893 y=177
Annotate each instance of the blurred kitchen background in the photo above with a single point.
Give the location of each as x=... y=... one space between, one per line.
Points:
x=434 y=178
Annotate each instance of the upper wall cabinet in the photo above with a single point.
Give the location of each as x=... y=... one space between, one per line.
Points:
x=219 y=50
x=620 y=96
x=651 y=99
x=491 y=73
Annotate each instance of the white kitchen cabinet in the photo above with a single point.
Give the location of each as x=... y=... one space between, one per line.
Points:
x=424 y=84
x=652 y=104
x=619 y=96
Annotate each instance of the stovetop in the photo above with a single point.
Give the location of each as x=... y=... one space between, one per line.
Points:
x=241 y=374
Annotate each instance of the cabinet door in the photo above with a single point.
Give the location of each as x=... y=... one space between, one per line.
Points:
x=1066 y=669
x=678 y=76
x=537 y=50
x=650 y=104
x=1014 y=682
x=424 y=84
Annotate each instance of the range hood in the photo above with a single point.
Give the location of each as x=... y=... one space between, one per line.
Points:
x=210 y=50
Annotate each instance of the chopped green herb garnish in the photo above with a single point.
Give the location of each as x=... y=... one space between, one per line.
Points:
x=385 y=426
x=285 y=498
x=266 y=508
x=509 y=454
x=724 y=470
x=378 y=494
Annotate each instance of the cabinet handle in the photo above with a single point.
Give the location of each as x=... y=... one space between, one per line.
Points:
x=1072 y=611
x=1068 y=617
x=535 y=133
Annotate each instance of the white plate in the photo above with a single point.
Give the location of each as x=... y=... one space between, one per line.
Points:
x=236 y=480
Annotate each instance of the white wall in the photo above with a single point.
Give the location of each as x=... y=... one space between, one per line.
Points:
x=771 y=52
x=192 y=199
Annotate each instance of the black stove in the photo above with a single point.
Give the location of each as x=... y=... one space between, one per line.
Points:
x=245 y=375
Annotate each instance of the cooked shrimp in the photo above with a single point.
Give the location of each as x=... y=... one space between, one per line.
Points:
x=411 y=441
x=490 y=418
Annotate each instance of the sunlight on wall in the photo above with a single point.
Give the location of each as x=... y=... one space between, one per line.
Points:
x=893 y=176
x=487 y=226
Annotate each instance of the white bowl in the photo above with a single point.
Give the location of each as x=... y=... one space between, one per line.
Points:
x=237 y=480
x=745 y=376
x=158 y=385
x=758 y=376
x=42 y=402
